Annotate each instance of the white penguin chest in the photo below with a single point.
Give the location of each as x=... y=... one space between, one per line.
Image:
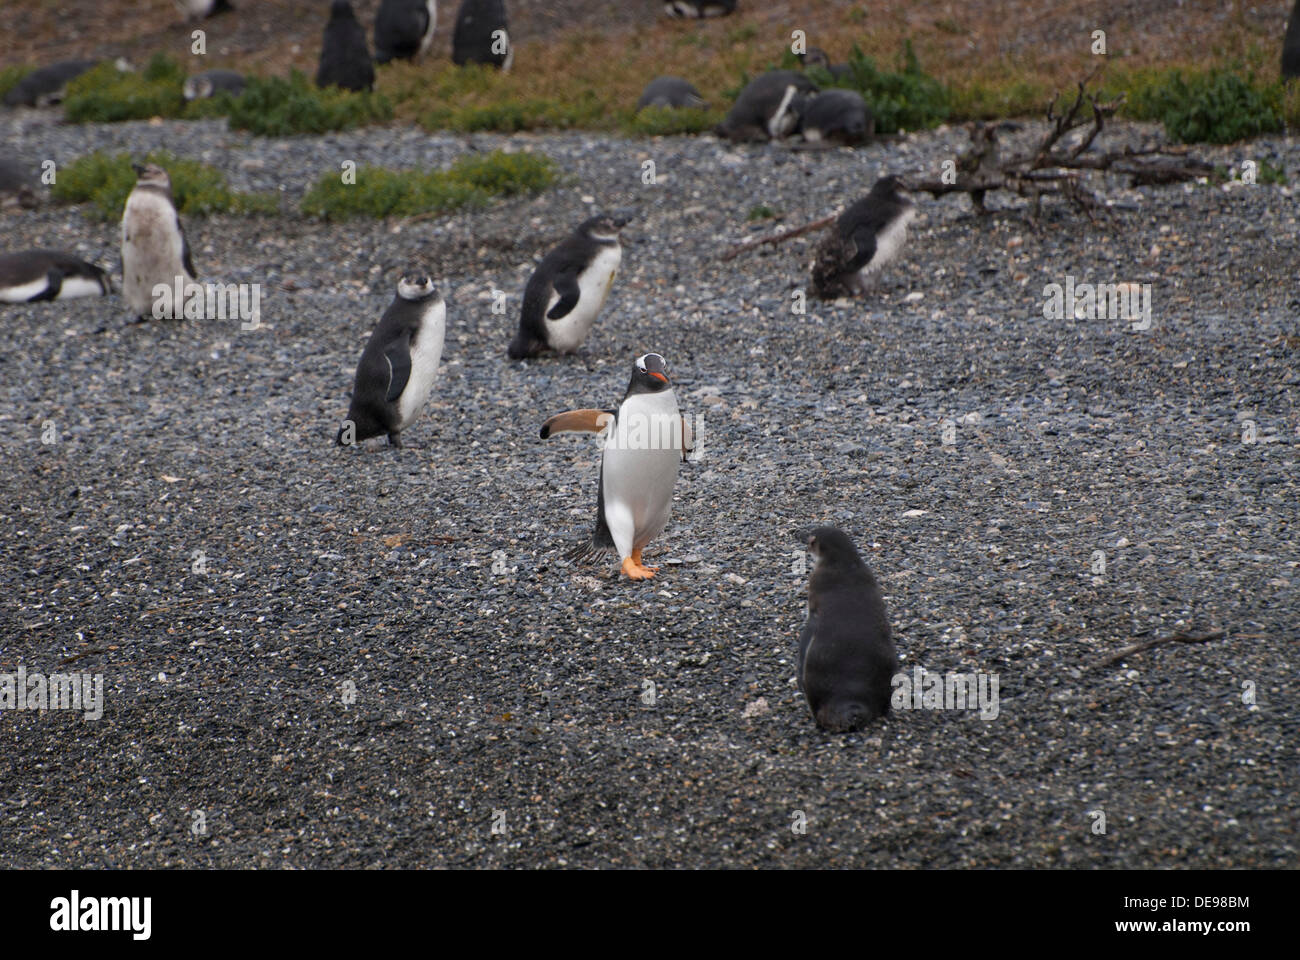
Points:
x=641 y=460
x=151 y=242
x=568 y=332
x=889 y=242
x=426 y=357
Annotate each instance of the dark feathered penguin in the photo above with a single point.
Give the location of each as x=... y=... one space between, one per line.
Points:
x=1291 y=44
x=17 y=185
x=846 y=650
x=47 y=84
x=568 y=289
x=836 y=115
x=482 y=35
x=699 y=8
x=32 y=275
x=767 y=108
x=863 y=239
x=344 y=56
x=670 y=92
x=404 y=29
x=645 y=442
x=399 y=364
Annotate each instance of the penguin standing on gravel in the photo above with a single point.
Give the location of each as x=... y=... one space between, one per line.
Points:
x=404 y=29
x=482 y=35
x=344 y=56
x=767 y=109
x=399 y=364
x=846 y=651
x=645 y=441
x=31 y=275
x=154 y=248
x=691 y=9
x=864 y=238
x=568 y=289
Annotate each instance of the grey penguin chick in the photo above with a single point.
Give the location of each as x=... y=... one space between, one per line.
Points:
x=47 y=85
x=847 y=658
x=670 y=92
x=865 y=237
x=399 y=364
x=836 y=115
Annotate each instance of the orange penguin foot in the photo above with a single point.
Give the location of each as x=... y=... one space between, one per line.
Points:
x=636 y=558
x=635 y=571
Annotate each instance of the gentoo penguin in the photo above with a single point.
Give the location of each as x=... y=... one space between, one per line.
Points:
x=399 y=364
x=699 y=8
x=476 y=38
x=154 y=248
x=17 y=185
x=1291 y=44
x=211 y=82
x=846 y=652
x=568 y=288
x=836 y=115
x=404 y=29
x=670 y=92
x=47 y=85
x=645 y=441
x=31 y=275
x=766 y=108
x=200 y=9
x=344 y=56
x=863 y=239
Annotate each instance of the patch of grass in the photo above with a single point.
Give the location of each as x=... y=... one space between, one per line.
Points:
x=471 y=181
x=105 y=182
x=668 y=121
x=907 y=99
x=760 y=212
x=276 y=107
x=1265 y=173
x=1217 y=106
x=10 y=78
x=108 y=95
x=995 y=100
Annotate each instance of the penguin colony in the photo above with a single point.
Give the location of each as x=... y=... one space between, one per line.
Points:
x=846 y=655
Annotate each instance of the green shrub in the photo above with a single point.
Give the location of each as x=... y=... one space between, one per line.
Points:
x=10 y=77
x=1215 y=107
x=909 y=99
x=108 y=95
x=276 y=107
x=667 y=121
x=510 y=117
x=760 y=212
x=197 y=189
x=470 y=182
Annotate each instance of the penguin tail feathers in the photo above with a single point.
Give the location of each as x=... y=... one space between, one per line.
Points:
x=522 y=347
x=845 y=717
x=588 y=550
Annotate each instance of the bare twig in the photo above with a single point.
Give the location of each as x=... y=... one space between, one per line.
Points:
x=779 y=237
x=1148 y=644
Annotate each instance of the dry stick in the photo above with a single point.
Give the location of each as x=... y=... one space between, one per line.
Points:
x=1148 y=644
x=778 y=237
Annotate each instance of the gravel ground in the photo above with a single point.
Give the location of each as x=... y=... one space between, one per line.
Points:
x=490 y=677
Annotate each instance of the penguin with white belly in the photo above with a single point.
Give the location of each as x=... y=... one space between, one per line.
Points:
x=568 y=289
x=646 y=439
x=399 y=364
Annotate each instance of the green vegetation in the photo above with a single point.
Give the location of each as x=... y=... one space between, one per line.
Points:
x=276 y=107
x=667 y=121
x=1212 y=107
x=108 y=95
x=9 y=78
x=470 y=182
x=908 y=99
x=105 y=181
x=760 y=212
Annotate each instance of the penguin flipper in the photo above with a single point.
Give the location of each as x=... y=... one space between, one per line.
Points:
x=577 y=421
x=398 y=355
x=53 y=284
x=863 y=240
x=186 y=259
x=566 y=285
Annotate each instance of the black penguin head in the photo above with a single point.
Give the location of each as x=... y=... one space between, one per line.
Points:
x=831 y=545
x=341 y=10
x=416 y=286
x=152 y=175
x=649 y=375
x=892 y=188
x=605 y=226
x=815 y=57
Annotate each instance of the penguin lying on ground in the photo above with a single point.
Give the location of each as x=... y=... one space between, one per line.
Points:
x=399 y=364
x=646 y=440
x=568 y=288
x=200 y=9
x=766 y=108
x=836 y=115
x=32 y=275
x=404 y=29
x=211 y=82
x=482 y=35
x=863 y=239
x=47 y=85
x=699 y=8
x=154 y=248
x=670 y=92
x=846 y=651
x=344 y=56
x=17 y=185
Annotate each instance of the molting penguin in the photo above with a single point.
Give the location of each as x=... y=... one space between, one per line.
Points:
x=344 y=56
x=404 y=29
x=692 y=9
x=864 y=238
x=17 y=185
x=32 y=275
x=154 y=248
x=201 y=9
x=836 y=115
x=846 y=651
x=568 y=289
x=670 y=92
x=766 y=109
x=47 y=85
x=1291 y=44
x=209 y=83
x=399 y=364
x=482 y=35
x=646 y=440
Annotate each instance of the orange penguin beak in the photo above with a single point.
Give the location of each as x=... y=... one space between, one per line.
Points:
x=659 y=375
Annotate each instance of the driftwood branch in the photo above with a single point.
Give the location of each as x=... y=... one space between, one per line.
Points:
x=780 y=236
x=1148 y=644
